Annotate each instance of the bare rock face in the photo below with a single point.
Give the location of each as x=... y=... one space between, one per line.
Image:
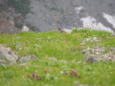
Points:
x=7 y=24
x=7 y=56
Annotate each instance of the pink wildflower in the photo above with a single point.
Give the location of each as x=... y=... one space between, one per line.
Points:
x=34 y=75
x=73 y=72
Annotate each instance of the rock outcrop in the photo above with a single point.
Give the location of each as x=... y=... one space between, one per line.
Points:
x=95 y=54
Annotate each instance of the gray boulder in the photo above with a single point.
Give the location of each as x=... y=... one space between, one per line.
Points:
x=92 y=59
x=7 y=55
x=26 y=58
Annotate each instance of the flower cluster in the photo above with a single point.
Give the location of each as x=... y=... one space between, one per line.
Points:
x=34 y=75
x=47 y=76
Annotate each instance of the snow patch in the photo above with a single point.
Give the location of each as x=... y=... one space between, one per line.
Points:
x=68 y=30
x=110 y=19
x=90 y=22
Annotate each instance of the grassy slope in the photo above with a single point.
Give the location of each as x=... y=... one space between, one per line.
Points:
x=67 y=49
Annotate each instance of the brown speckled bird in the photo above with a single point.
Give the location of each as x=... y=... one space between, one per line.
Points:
x=60 y=30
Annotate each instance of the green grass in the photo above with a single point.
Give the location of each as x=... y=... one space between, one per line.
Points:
x=67 y=49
